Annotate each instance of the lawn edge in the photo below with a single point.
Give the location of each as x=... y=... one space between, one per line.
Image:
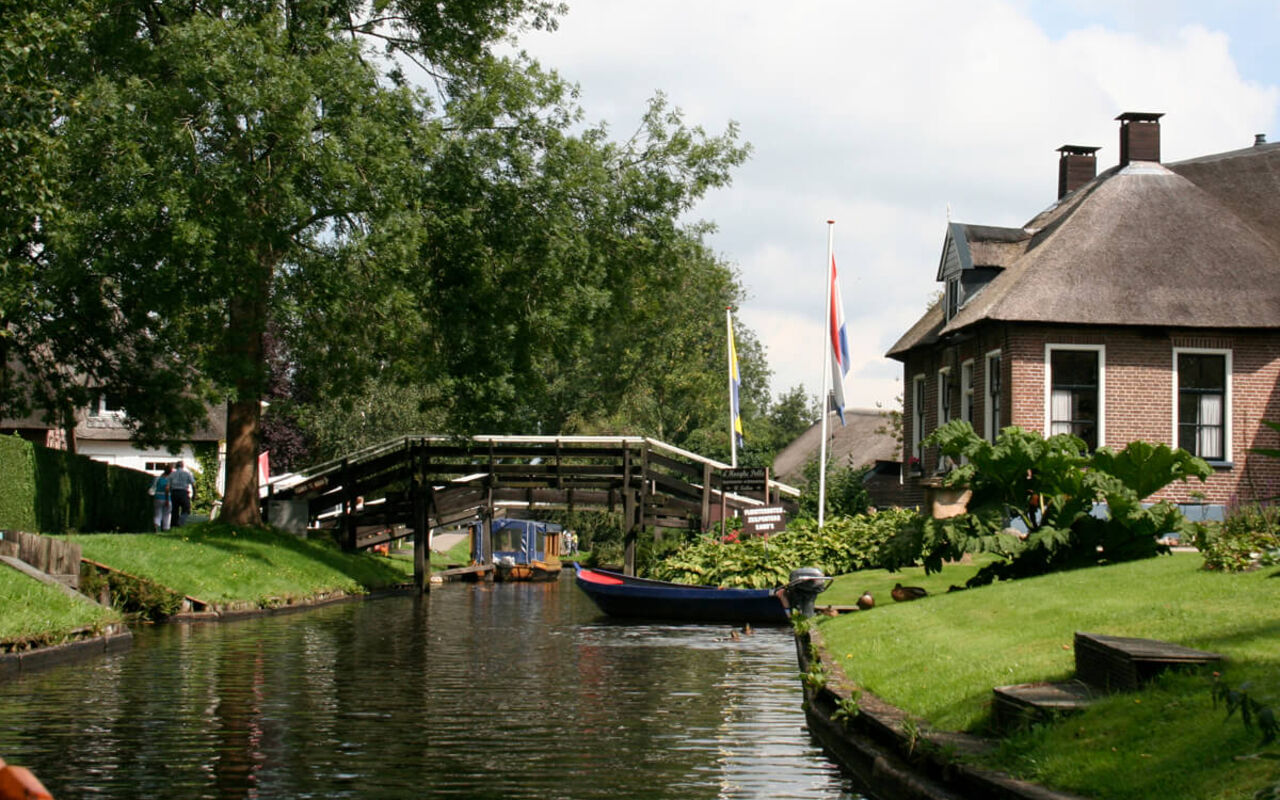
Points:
x=890 y=752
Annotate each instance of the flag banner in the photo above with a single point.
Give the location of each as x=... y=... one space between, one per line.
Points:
x=735 y=382
x=839 y=344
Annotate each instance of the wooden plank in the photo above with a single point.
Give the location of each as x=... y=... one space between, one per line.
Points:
x=693 y=471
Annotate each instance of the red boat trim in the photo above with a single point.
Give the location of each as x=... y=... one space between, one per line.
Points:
x=596 y=577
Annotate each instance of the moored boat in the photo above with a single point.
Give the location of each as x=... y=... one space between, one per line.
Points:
x=642 y=598
x=525 y=550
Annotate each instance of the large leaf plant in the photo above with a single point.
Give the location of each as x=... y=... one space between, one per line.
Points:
x=1075 y=508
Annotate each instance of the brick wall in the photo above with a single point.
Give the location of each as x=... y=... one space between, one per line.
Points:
x=1138 y=400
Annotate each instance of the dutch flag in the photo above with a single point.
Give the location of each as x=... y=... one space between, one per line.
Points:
x=839 y=344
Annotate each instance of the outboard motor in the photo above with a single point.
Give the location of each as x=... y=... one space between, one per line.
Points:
x=803 y=587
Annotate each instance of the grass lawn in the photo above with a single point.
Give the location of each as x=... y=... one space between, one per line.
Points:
x=940 y=656
x=30 y=611
x=220 y=563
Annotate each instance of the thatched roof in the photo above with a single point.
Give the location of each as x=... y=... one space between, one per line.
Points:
x=1194 y=244
x=862 y=440
x=113 y=429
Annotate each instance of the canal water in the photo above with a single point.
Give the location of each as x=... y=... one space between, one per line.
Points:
x=502 y=691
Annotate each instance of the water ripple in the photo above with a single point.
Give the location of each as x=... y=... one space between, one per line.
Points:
x=477 y=691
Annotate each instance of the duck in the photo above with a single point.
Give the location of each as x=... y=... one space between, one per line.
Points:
x=866 y=601
x=902 y=593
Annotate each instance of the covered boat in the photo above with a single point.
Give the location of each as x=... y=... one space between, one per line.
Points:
x=525 y=550
x=641 y=598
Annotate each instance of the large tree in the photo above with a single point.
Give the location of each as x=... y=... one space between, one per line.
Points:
x=230 y=168
x=220 y=151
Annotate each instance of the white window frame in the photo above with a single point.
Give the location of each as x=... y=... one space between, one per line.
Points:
x=918 y=420
x=990 y=414
x=966 y=391
x=98 y=408
x=944 y=383
x=1227 y=400
x=1101 y=350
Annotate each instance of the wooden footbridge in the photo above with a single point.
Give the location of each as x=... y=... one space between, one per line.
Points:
x=427 y=482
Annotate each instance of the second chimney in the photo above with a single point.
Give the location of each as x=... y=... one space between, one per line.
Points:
x=1077 y=165
x=1139 y=137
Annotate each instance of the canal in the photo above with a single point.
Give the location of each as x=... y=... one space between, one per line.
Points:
x=503 y=691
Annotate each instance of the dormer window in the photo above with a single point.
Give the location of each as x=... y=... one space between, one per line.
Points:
x=106 y=404
x=953 y=297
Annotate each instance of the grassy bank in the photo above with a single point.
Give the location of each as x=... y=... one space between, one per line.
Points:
x=33 y=613
x=939 y=658
x=221 y=563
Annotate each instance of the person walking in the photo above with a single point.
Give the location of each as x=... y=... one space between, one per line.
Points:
x=182 y=489
x=159 y=492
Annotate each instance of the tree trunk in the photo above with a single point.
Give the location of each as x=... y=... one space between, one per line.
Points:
x=246 y=326
x=240 y=499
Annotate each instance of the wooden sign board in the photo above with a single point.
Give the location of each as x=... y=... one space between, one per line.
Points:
x=763 y=521
x=746 y=479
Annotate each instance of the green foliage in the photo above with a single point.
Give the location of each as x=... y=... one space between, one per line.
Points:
x=847 y=709
x=845 y=491
x=1249 y=537
x=1051 y=486
x=52 y=491
x=207 y=478
x=17 y=485
x=131 y=595
x=843 y=545
x=1252 y=711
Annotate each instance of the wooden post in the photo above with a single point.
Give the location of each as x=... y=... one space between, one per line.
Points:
x=348 y=508
x=421 y=529
x=629 y=532
x=643 y=512
x=486 y=528
x=706 y=497
x=628 y=516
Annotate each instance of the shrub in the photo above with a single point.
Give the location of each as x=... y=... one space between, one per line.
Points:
x=1052 y=486
x=1249 y=537
x=844 y=544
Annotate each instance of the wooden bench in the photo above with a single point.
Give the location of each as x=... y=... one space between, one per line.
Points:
x=1123 y=663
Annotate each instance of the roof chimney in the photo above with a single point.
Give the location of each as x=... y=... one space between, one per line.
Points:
x=1139 y=137
x=1077 y=165
x=1259 y=139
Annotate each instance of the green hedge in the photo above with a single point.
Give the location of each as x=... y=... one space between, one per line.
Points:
x=52 y=491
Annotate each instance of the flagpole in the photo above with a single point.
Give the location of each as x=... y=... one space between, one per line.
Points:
x=826 y=360
x=733 y=428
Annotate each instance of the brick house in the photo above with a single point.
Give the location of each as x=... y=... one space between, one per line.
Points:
x=1143 y=304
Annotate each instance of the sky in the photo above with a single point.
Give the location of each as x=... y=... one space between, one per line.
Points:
x=893 y=117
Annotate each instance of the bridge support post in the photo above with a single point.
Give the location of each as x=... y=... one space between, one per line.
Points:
x=629 y=531
x=421 y=489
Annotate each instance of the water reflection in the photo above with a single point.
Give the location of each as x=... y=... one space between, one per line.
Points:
x=500 y=691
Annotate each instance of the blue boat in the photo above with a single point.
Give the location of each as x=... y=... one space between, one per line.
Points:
x=525 y=550
x=621 y=595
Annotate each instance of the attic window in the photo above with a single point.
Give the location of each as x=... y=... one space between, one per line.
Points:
x=953 y=297
x=106 y=404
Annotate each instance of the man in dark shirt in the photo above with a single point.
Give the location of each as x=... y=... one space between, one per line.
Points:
x=182 y=487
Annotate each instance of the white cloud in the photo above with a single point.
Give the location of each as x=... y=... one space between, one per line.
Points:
x=879 y=116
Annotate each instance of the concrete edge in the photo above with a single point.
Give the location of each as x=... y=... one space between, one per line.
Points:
x=893 y=754
x=115 y=638
x=234 y=611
